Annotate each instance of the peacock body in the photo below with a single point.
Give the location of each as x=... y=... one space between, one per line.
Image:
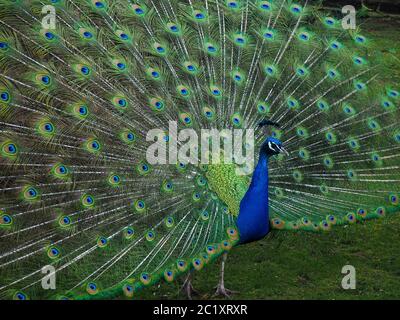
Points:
x=77 y=102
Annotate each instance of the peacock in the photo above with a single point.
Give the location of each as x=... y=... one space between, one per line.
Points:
x=83 y=206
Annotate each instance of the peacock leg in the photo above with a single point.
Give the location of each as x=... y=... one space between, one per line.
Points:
x=187 y=287
x=221 y=290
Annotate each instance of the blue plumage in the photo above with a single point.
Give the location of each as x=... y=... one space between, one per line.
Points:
x=253 y=220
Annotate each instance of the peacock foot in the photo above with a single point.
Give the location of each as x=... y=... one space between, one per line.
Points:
x=223 y=292
x=188 y=289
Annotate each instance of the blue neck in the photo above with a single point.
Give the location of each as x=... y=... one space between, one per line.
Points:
x=253 y=220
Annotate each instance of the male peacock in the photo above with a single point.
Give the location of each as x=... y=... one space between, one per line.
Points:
x=77 y=101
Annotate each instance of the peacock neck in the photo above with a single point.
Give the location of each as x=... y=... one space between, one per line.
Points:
x=253 y=220
x=260 y=175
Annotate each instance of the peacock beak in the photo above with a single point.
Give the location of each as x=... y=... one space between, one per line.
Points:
x=282 y=149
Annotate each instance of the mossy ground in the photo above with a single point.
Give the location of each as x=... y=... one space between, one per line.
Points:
x=304 y=265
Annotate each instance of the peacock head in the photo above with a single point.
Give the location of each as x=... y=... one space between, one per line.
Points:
x=271 y=146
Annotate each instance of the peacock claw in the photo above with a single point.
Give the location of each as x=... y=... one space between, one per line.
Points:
x=188 y=289
x=222 y=291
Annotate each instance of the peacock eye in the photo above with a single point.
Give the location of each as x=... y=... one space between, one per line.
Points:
x=273 y=146
x=87 y=34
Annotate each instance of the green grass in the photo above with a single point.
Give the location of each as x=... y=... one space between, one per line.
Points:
x=306 y=265
x=384 y=32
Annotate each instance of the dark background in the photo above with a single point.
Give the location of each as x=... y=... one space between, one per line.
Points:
x=388 y=6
